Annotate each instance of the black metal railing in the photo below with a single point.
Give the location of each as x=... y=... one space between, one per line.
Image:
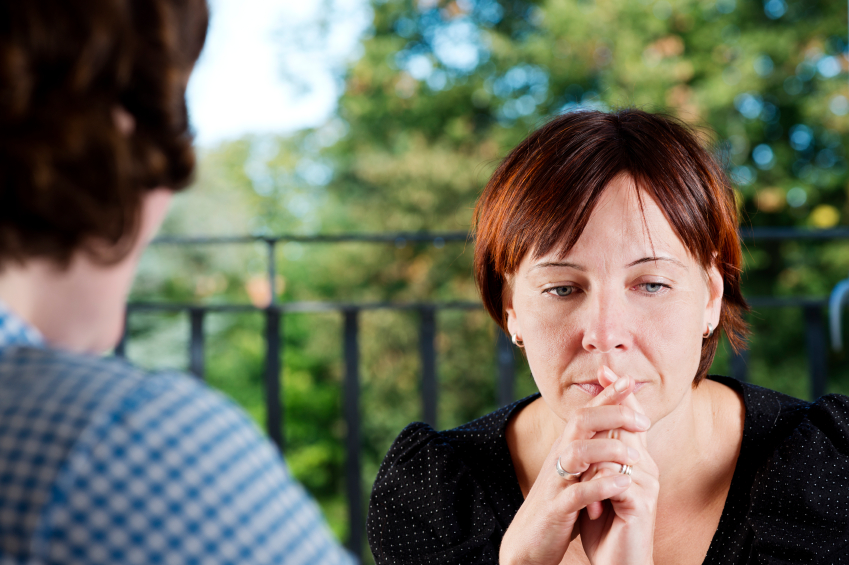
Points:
x=275 y=313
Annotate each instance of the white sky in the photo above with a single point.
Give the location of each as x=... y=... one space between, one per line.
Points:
x=238 y=85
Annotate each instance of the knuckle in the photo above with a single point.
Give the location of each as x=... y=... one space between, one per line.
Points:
x=653 y=484
x=582 y=451
x=576 y=455
x=647 y=506
x=583 y=419
x=651 y=468
x=571 y=453
x=572 y=498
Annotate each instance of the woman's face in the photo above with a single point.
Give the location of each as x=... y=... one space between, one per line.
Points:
x=628 y=295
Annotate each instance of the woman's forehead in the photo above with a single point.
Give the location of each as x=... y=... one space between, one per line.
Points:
x=626 y=224
x=625 y=257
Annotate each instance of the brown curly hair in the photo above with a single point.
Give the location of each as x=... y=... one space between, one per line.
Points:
x=68 y=175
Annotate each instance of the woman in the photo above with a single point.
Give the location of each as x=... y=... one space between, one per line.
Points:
x=607 y=248
x=101 y=462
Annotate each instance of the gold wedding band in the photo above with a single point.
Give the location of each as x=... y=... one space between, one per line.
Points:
x=564 y=473
x=625 y=469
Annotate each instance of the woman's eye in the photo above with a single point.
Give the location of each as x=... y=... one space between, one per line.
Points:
x=653 y=288
x=561 y=290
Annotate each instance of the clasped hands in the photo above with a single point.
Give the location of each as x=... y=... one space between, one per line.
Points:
x=613 y=513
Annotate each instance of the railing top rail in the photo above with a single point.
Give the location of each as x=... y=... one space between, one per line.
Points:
x=748 y=234
x=302 y=307
x=310 y=306
x=395 y=237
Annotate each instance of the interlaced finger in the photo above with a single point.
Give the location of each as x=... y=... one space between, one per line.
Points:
x=590 y=420
x=580 y=495
x=580 y=454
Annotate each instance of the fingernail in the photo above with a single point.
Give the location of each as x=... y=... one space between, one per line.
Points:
x=643 y=421
x=621 y=384
x=622 y=481
x=611 y=376
x=633 y=454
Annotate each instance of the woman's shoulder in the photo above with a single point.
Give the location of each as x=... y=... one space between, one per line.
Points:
x=773 y=417
x=445 y=496
x=468 y=444
x=794 y=467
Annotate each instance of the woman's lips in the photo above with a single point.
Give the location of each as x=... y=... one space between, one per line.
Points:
x=594 y=389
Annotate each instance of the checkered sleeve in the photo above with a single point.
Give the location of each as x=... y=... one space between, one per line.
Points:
x=177 y=474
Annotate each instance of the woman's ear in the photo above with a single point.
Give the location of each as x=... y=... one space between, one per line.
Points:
x=716 y=288
x=513 y=326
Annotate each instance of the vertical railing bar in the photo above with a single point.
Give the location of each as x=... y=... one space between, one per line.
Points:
x=196 y=343
x=353 y=470
x=506 y=368
x=121 y=346
x=271 y=380
x=815 y=341
x=273 y=355
x=272 y=270
x=427 y=351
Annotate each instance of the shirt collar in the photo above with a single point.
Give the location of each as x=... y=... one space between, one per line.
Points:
x=16 y=332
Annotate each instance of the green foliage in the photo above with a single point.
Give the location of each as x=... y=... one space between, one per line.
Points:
x=442 y=90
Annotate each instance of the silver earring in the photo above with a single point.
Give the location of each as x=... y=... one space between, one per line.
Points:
x=709 y=331
x=517 y=341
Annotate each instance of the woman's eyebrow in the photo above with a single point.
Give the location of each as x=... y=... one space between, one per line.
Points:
x=559 y=264
x=650 y=259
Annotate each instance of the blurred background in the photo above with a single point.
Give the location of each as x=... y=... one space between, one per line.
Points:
x=333 y=117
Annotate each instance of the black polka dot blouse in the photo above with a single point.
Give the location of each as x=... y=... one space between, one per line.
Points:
x=448 y=497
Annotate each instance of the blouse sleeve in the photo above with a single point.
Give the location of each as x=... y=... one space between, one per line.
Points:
x=427 y=507
x=800 y=498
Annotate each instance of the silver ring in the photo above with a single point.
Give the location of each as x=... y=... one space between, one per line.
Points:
x=564 y=473
x=625 y=469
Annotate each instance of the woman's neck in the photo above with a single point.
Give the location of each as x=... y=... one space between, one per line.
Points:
x=695 y=446
x=696 y=469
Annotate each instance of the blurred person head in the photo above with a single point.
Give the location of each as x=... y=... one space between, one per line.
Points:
x=94 y=138
x=611 y=239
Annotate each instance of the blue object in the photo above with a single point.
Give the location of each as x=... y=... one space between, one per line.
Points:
x=101 y=462
x=839 y=298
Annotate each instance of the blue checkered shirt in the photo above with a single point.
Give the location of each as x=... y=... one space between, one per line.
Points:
x=101 y=462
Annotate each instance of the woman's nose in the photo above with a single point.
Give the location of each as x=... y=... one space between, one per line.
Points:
x=605 y=327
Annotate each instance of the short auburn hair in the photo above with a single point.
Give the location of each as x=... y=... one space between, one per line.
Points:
x=542 y=194
x=69 y=175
